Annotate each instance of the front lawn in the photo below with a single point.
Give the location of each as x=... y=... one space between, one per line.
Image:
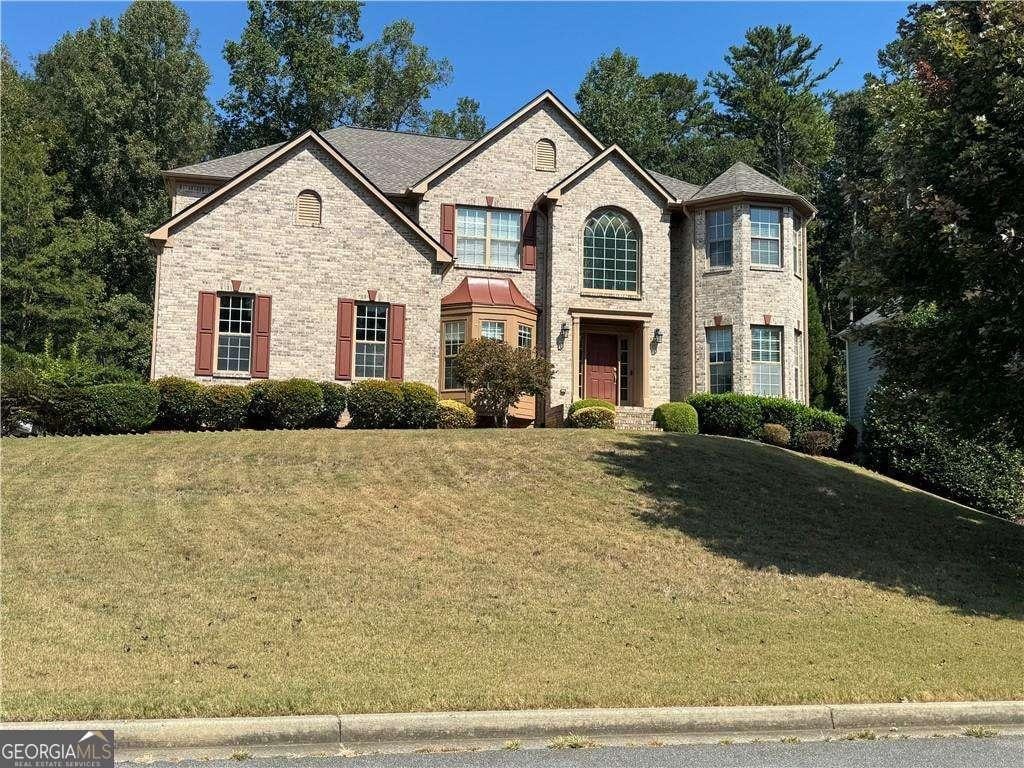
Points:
x=333 y=571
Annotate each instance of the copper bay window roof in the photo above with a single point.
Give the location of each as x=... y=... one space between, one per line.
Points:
x=488 y=292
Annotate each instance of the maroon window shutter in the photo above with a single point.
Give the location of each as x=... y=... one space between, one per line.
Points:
x=205 y=324
x=343 y=349
x=529 y=239
x=261 y=338
x=448 y=228
x=396 y=342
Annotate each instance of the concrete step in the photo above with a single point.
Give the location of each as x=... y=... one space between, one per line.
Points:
x=631 y=418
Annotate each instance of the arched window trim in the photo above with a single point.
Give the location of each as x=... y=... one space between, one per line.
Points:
x=632 y=286
x=299 y=209
x=545 y=142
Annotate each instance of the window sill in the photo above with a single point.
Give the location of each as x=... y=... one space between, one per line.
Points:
x=718 y=271
x=766 y=268
x=629 y=295
x=232 y=375
x=483 y=268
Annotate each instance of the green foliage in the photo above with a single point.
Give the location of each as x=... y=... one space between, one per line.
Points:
x=908 y=435
x=22 y=396
x=588 y=402
x=71 y=370
x=335 y=401
x=676 y=417
x=375 y=404
x=775 y=434
x=101 y=409
x=744 y=416
x=498 y=374
x=182 y=404
x=225 y=406
x=815 y=442
x=419 y=406
x=594 y=417
x=293 y=403
x=451 y=414
x=463 y=122
x=259 y=405
x=819 y=352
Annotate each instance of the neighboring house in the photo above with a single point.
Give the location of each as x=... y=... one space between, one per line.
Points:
x=358 y=254
x=862 y=371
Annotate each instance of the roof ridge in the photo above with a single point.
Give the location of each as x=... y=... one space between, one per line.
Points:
x=399 y=133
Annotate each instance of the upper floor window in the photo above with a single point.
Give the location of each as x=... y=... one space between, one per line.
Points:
x=719 y=225
x=308 y=208
x=766 y=359
x=544 y=159
x=234 y=333
x=611 y=253
x=493 y=329
x=765 y=230
x=371 y=340
x=487 y=238
x=720 y=360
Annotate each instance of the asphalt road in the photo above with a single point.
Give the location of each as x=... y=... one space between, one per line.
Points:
x=997 y=752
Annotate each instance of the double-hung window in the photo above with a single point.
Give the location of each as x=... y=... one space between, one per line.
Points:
x=454 y=338
x=720 y=360
x=487 y=238
x=797 y=246
x=525 y=336
x=371 y=340
x=234 y=333
x=765 y=232
x=719 y=226
x=766 y=359
x=493 y=329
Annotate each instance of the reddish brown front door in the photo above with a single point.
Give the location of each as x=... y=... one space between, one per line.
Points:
x=602 y=379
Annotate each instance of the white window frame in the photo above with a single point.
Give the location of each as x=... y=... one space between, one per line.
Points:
x=495 y=323
x=766 y=360
x=525 y=331
x=599 y=261
x=362 y=345
x=489 y=237
x=758 y=235
x=451 y=347
x=798 y=359
x=715 y=228
x=719 y=367
x=798 y=246
x=239 y=334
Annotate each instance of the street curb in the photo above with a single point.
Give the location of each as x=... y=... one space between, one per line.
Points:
x=344 y=731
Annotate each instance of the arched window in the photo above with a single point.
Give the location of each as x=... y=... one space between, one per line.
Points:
x=611 y=252
x=308 y=208
x=545 y=155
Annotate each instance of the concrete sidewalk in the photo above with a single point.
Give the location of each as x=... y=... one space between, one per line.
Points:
x=460 y=730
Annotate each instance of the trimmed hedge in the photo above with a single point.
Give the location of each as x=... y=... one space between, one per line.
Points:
x=676 y=417
x=104 y=409
x=335 y=401
x=588 y=402
x=906 y=436
x=182 y=403
x=226 y=406
x=293 y=403
x=775 y=434
x=739 y=415
x=375 y=404
x=451 y=414
x=419 y=406
x=594 y=417
x=21 y=402
x=259 y=405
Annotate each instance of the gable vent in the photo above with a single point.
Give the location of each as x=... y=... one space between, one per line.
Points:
x=545 y=155
x=307 y=208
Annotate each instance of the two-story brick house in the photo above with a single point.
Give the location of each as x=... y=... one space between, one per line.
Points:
x=372 y=254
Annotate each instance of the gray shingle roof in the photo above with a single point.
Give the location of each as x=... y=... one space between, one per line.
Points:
x=683 y=190
x=393 y=161
x=740 y=179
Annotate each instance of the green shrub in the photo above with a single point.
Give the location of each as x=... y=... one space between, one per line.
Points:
x=22 y=398
x=259 y=405
x=676 y=417
x=588 y=402
x=182 y=403
x=451 y=414
x=375 y=404
x=728 y=414
x=594 y=417
x=335 y=401
x=907 y=435
x=293 y=403
x=419 y=406
x=815 y=442
x=775 y=434
x=123 y=408
x=226 y=406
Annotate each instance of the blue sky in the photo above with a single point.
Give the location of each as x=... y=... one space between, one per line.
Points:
x=506 y=53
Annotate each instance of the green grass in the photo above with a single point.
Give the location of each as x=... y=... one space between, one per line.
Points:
x=333 y=571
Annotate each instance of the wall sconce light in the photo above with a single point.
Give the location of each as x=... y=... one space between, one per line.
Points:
x=658 y=336
x=564 y=329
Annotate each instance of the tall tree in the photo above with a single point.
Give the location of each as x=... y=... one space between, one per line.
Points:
x=294 y=67
x=819 y=356
x=770 y=95
x=463 y=122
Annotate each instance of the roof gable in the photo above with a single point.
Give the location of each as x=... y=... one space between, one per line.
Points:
x=614 y=151
x=740 y=180
x=163 y=232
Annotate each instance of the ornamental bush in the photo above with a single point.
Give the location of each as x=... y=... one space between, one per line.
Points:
x=419 y=406
x=259 y=406
x=375 y=404
x=588 y=402
x=335 y=401
x=497 y=375
x=775 y=434
x=182 y=403
x=815 y=442
x=123 y=408
x=293 y=403
x=594 y=417
x=451 y=414
x=676 y=417
x=739 y=415
x=226 y=406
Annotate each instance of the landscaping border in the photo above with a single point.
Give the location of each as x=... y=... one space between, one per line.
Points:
x=379 y=731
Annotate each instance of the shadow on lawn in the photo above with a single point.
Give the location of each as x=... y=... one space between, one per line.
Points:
x=766 y=507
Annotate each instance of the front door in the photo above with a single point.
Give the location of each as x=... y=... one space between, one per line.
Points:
x=602 y=367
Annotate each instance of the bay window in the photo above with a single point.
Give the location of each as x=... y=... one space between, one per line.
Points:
x=454 y=338
x=720 y=360
x=719 y=227
x=765 y=232
x=766 y=360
